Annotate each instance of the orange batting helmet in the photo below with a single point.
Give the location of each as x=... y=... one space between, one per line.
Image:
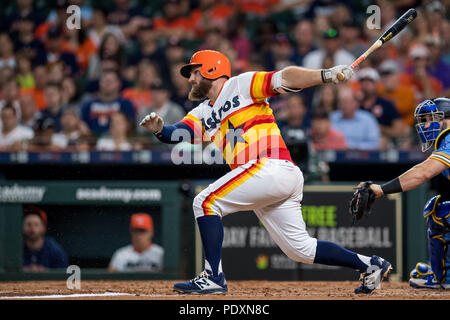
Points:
x=213 y=65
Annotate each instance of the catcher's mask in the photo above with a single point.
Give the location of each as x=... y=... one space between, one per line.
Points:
x=428 y=118
x=213 y=65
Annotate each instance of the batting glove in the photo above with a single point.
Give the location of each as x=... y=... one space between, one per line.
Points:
x=331 y=75
x=152 y=123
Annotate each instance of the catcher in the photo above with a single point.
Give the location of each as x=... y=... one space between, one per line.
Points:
x=433 y=127
x=236 y=116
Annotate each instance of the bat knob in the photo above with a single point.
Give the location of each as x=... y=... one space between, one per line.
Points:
x=340 y=76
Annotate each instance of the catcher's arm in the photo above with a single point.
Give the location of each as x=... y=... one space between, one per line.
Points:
x=411 y=179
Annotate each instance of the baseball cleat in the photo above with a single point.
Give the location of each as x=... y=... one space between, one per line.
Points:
x=423 y=277
x=371 y=279
x=205 y=283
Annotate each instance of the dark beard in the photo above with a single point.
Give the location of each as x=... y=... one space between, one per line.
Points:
x=199 y=92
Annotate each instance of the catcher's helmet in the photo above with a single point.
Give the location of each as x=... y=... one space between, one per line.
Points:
x=428 y=115
x=443 y=105
x=213 y=65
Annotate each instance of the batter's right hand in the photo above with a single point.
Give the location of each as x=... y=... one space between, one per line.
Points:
x=152 y=123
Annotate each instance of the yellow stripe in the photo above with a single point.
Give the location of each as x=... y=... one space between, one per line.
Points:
x=435 y=220
x=244 y=116
x=235 y=184
x=262 y=109
x=438 y=159
x=437 y=139
x=434 y=206
x=421 y=273
x=191 y=117
x=442 y=154
x=254 y=135
x=257 y=92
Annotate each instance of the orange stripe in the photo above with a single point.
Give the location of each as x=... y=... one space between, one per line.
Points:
x=258 y=120
x=231 y=185
x=235 y=113
x=223 y=121
x=262 y=146
x=251 y=88
x=257 y=85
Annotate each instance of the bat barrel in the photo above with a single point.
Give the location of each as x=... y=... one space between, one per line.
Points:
x=399 y=25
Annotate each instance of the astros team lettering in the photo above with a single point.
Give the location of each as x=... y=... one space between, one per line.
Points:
x=216 y=118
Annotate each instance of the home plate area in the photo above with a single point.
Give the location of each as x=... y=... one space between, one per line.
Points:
x=238 y=290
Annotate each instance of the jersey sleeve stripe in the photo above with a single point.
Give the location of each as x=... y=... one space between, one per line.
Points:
x=441 y=159
x=256 y=88
x=441 y=154
x=195 y=125
x=267 y=83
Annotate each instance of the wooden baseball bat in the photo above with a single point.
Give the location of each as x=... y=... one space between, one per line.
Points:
x=393 y=30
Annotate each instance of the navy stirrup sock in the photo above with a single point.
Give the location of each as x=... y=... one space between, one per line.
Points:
x=332 y=254
x=211 y=232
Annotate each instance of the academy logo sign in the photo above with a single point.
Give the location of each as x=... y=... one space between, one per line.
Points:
x=17 y=193
x=118 y=194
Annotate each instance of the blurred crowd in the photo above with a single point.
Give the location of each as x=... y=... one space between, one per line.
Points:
x=87 y=88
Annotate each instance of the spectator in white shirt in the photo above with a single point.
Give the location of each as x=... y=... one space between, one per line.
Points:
x=13 y=135
x=28 y=110
x=142 y=254
x=73 y=132
x=117 y=138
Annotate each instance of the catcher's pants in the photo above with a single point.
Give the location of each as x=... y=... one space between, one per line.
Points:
x=273 y=189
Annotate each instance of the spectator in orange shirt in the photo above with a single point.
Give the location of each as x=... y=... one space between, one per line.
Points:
x=40 y=81
x=173 y=23
x=80 y=45
x=257 y=7
x=140 y=94
x=323 y=136
x=400 y=94
x=210 y=14
x=424 y=85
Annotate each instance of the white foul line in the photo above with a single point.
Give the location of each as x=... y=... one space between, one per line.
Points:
x=81 y=295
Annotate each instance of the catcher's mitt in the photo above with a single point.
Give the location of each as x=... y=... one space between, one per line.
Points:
x=361 y=202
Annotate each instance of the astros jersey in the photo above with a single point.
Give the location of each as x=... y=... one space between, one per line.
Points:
x=240 y=123
x=442 y=150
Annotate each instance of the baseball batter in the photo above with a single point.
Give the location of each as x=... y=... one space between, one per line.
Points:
x=235 y=115
x=433 y=127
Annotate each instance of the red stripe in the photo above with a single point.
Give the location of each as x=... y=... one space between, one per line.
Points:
x=195 y=127
x=236 y=112
x=263 y=148
x=258 y=120
x=266 y=84
x=283 y=154
x=189 y=123
x=228 y=183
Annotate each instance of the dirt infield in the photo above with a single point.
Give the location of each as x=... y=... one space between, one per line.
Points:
x=238 y=290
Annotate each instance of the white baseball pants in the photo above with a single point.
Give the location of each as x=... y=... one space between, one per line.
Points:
x=273 y=189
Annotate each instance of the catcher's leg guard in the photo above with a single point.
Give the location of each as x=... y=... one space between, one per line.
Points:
x=438 y=237
x=422 y=276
